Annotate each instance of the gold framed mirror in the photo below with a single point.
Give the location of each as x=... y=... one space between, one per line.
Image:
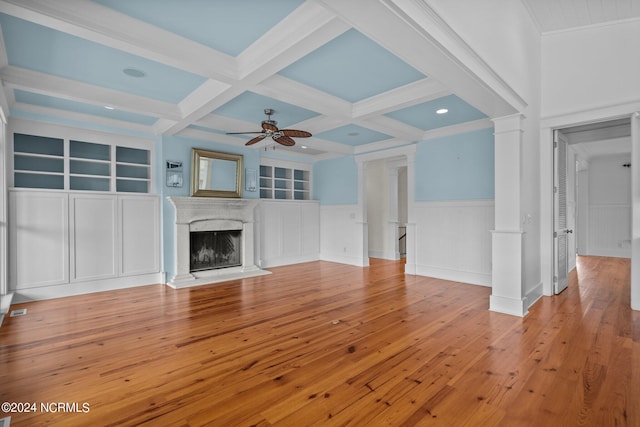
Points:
x=216 y=174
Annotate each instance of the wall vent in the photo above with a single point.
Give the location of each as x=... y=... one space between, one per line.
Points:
x=15 y=313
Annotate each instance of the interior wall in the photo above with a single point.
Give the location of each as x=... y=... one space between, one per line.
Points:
x=592 y=67
x=609 y=207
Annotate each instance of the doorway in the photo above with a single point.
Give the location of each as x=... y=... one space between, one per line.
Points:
x=591 y=194
x=387 y=207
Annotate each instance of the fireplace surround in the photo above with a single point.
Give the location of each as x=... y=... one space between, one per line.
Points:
x=194 y=214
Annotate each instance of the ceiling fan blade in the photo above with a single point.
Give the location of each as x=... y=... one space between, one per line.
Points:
x=256 y=139
x=284 y=140
x=242 y=133
x=269 y=127
x=296 y=133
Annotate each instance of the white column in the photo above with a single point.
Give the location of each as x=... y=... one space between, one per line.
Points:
x=635 y=211
x=4 y=299
x=361 y=215
x=507 y=293
x=410 y=261
x=391 y=243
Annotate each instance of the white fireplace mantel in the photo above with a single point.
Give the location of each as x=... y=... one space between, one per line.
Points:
x=191 y=213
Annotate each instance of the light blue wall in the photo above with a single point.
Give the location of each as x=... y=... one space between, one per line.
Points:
x=179 y=149
x=458 y=167
x=335 y=181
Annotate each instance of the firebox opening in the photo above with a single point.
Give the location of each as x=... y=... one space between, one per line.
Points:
x=215 y=249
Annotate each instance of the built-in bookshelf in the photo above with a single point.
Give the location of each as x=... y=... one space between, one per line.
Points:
x=59 y=164
x=284 y=183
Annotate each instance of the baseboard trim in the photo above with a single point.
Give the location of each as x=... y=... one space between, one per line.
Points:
x=277 y=262
x=342 y=259
x=86 y=287
x=472 y=278
x=505 y=305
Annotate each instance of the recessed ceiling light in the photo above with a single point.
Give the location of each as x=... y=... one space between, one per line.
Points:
x=304 y=147
x=108 y=107
x=442 y=111
x=134 y=72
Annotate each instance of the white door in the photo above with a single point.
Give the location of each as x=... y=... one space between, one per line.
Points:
x=561 y=232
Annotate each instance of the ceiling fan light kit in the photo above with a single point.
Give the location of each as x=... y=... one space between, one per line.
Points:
x=270 y=129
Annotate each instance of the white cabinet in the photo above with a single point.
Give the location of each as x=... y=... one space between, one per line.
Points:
x=139 y=219
x=93 y=236
x=38 y=239
x=289 y=232
x=81 y=242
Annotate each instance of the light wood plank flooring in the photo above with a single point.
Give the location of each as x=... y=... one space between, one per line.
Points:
x=329 y=344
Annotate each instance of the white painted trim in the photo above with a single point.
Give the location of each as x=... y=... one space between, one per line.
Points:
x=5 y=305
x=87 y=118
x=86 y=287
x=505 y=305
x=547 y=125
x=52 y=130
x=469 y=277
x=83 y=92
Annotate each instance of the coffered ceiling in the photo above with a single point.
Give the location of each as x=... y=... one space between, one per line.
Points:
x=359 y=75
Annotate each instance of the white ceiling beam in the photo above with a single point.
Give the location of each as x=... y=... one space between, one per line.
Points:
x=405 y=96
x=86 y=118
x=456 y=129
x=292 y=92
x=307 y=28
x=83 y=92
x=392 y=127
x=94 y=22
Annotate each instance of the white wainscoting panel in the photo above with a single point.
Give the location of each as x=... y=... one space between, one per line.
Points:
x=93 y=236
x=342 y=237
x=139 y=219
x=38 y=239
x=289 y=232
x=453 y=240
x=609 y=230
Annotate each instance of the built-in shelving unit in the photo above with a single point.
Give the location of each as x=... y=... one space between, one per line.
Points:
x=59 y=164
x=284 y=183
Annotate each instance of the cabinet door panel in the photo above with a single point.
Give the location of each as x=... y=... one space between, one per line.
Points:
x=39 y=243
x=93 y=237
x=140 y=228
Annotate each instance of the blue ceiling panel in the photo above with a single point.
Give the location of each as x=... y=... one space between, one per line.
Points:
x=352 y=67
x=229 y=26
x=250 y=106
x=79 y=107
x=43 y=49
x=353 y=135
x=424 y=116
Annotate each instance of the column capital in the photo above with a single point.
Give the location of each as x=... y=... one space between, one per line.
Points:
x=511 y=123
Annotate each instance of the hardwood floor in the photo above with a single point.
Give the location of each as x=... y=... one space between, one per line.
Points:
x=329 y=344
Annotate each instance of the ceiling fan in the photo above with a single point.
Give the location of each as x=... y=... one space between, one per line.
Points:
x=270 y=128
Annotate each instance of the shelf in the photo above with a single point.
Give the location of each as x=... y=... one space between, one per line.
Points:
x=283 y=183
x=40 y=162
